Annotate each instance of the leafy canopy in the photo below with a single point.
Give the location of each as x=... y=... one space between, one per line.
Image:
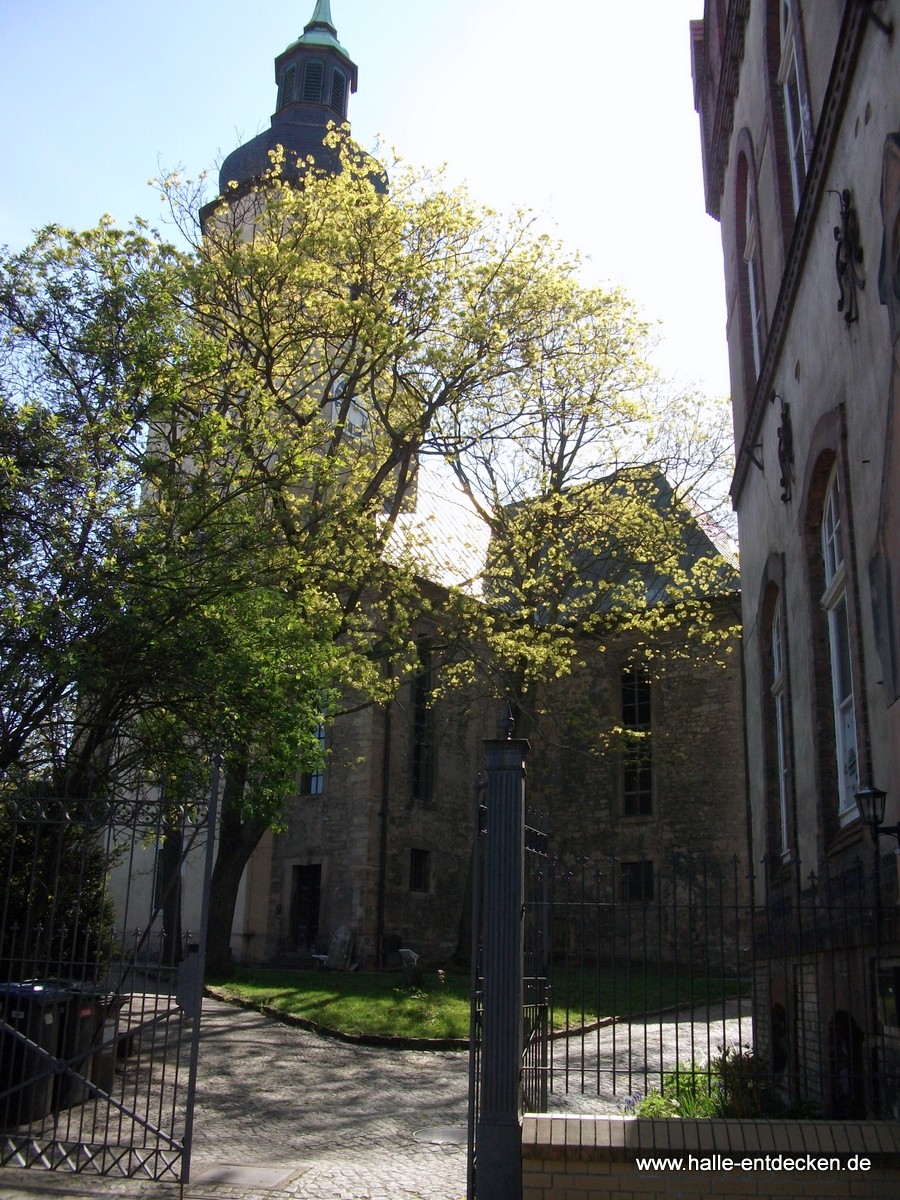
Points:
x=210 y=457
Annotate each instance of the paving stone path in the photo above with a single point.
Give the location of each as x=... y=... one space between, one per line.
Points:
x=283 y=1114
x=344 y=1116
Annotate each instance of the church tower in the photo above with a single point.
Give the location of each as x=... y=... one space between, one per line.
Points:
x=314 y=76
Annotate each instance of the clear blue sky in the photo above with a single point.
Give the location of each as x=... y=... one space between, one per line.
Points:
x=580 y=109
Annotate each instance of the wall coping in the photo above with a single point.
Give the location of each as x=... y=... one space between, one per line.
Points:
x=621 y=1139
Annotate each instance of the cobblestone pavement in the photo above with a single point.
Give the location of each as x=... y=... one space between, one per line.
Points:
x=330 y=1121
x=283 y=1114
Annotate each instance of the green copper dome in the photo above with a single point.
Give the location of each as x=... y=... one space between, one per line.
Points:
x=320 y=30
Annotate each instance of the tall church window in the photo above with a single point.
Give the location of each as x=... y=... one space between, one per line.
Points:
x=798 y=123
x=834 y=603
x=313 y=79
x=424 y=739
x=312 y=783
x=637 y=756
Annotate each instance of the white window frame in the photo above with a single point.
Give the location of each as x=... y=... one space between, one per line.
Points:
x=835 y=604
x=798 y=120
x=754 y=276
x=779 y=699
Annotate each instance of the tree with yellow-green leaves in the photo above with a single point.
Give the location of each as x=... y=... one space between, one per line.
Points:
x=207 y=454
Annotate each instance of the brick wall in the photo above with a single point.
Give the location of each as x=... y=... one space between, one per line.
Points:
x=582 y=1158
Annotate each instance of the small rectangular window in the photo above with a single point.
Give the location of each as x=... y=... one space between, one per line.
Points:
x=420 y=870
x=636 y=881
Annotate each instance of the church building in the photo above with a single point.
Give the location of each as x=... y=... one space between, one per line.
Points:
x=376 y=849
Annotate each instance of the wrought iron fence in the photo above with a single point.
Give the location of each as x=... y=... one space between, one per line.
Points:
x=100 y=984
x=662 y=981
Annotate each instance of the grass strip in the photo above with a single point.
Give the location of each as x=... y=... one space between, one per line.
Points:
x=435 y=1005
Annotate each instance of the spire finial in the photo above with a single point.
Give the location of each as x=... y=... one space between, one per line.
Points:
x=321 y=16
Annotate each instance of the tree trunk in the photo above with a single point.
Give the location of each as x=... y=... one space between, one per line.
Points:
x=239 y=835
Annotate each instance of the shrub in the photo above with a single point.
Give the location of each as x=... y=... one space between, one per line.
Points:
x=737 y=1083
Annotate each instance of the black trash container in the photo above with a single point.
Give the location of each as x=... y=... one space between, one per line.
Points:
x=37 y=1013
x=81 y=1019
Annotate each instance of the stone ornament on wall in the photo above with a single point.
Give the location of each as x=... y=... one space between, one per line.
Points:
x=785 y=450
x=848 y=258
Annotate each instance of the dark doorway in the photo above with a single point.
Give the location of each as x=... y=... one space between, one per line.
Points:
x=305 y=897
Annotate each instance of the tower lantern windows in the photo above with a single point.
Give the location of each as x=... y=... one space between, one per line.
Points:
x=339 y=92
x=313 y=79
x=288 y=82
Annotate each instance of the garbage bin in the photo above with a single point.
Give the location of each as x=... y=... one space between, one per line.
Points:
x=35 y=1012
x=81 y=1019
x=106 y=1039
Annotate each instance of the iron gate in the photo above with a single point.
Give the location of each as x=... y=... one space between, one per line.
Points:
x=101 y=983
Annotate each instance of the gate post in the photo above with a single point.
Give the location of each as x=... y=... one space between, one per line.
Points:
x=498 y=1134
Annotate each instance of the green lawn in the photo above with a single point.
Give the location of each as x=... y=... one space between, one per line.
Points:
x=359 y=1002
x=383 y=1003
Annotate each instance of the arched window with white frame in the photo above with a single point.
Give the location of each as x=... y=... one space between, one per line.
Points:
x=754 y=278
x=752 y=291
x=834 y=603
x=795 y=98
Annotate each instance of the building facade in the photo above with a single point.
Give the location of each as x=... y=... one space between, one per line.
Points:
x=376 y=850
x=644 y=767
x=799 y=111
